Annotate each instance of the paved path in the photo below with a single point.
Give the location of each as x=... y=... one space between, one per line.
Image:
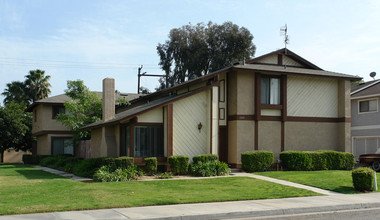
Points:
x=220 y=210
x=64 y=174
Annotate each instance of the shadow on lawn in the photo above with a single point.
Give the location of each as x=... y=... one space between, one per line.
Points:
x=38 y=174
x=345 y=190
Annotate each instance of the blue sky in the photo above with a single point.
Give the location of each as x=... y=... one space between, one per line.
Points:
x=91 y=40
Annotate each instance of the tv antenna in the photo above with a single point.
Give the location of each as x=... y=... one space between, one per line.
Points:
x=139 y=75
x=284 y=32
x=372 y=74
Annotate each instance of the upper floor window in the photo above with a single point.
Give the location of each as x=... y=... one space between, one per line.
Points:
x=270 y=91
x=368 y=106
x=58 y=109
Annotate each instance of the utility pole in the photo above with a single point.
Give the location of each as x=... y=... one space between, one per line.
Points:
x=139 y=75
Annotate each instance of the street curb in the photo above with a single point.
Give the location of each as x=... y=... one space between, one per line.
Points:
x=274 y=212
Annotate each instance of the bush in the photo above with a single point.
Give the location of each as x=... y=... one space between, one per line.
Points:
x=32 y=159
x=349 y=161
x=86 y=168
x=48 y=161
x=296 y=160
x=151 y=165
x=257 y=160
x=71 y=162
x=179 y=164
x=109 y=174
x=124 y=162
x=363 y=178
x=204 y=158
x=211 y=168
x=318 y=161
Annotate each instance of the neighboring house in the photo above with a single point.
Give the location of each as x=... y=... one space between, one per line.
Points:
x=274 y=102
x=365 y=124
x=52 y=136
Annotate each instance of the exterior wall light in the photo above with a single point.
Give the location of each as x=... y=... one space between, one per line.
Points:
x=200 y=127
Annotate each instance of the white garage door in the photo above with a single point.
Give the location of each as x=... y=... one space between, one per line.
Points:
x=365 y=145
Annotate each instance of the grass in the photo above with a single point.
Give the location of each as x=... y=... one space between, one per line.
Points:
x=24 y=189
x=335 y=180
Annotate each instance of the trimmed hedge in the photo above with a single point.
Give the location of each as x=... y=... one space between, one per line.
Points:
x=317 y=160
x=32 y=159
x=204 y=158
x=210 y=168
x=257 y=160
x=151 y=165
x=179 y=164
x=124 y=162
x=363 y=178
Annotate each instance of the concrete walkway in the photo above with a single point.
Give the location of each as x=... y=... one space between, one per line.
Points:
x=221 y=210
x=64 y=174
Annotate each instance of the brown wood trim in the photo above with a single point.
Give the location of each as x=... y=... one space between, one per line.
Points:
x=241 y=117
x=284 y=97
x=51 y=132
x=211 y=120
x=141 y=160
x=316 y=119
x=148 y=124
x=169 y=127
x=257 y=96
x=282 y=136
x=256 y=135
x=271 y=118
x=267 y=106
x=279 y=59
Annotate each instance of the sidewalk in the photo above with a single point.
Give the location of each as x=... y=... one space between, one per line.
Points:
x=220 y=210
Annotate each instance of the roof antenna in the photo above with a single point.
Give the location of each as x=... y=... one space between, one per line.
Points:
x=372 y=74
x=284 y=32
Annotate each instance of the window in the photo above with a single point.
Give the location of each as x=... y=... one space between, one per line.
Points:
x=148 y=141
x=124 y=141
x=58 y=109
x=368 y=106
x=62 y=146
x=270 y=91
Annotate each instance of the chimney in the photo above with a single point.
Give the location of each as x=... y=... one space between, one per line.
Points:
x=108 y=106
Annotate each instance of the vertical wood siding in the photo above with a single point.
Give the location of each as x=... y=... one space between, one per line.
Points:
x=154 y=116
x=287 y=61
x=312 y=96
x=187 y=114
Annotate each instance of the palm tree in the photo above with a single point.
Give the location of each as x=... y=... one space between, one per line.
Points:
x=15 y=91
x=37 y=85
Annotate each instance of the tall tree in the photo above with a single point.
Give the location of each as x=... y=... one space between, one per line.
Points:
x=37 y=85
x=84 y=109
x=14 y=127
x=193 y=51
x=15 y=91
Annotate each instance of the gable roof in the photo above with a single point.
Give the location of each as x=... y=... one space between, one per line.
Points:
x=286 y=52
x=371 y=88
x=62 y=98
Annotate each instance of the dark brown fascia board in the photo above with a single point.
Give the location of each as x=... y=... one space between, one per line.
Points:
x=121 y=120
x=51 y=132
x=289 y=53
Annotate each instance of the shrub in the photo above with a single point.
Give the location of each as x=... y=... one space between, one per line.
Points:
x=86 y=168
x=32 y=159
x=71 y=162
x=165 y=175
x=204 y=158
x=318 y=161
x=109 y=174
x=179 y=164
x=349 y=161
x=211 y=168
x=363 y=178
x=124 y=162
x=48 y=161
x=257 y=160
x=296 y=160
x=151 y=165
x=338 y=160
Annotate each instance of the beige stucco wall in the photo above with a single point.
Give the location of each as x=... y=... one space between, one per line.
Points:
x=45 y=121
x=312 y=96
x=153 y=116
x=96 y=141
x=240 y=139
x=12 y=156
x=187 y=114
x=308 y=136
x=270 y=137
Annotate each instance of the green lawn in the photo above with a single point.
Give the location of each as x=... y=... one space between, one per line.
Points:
x=334 y=180
x=24 y=189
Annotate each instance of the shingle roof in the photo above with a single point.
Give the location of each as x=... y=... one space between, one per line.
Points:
x=132 y=112
x=365 y=89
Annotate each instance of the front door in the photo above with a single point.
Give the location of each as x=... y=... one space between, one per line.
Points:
x=223 y=144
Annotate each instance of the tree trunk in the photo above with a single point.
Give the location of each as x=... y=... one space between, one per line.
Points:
x=2 y=156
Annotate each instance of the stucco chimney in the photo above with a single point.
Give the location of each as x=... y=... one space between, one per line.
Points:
x=108 y=99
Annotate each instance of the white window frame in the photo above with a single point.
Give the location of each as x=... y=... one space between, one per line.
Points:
x=365 y=100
